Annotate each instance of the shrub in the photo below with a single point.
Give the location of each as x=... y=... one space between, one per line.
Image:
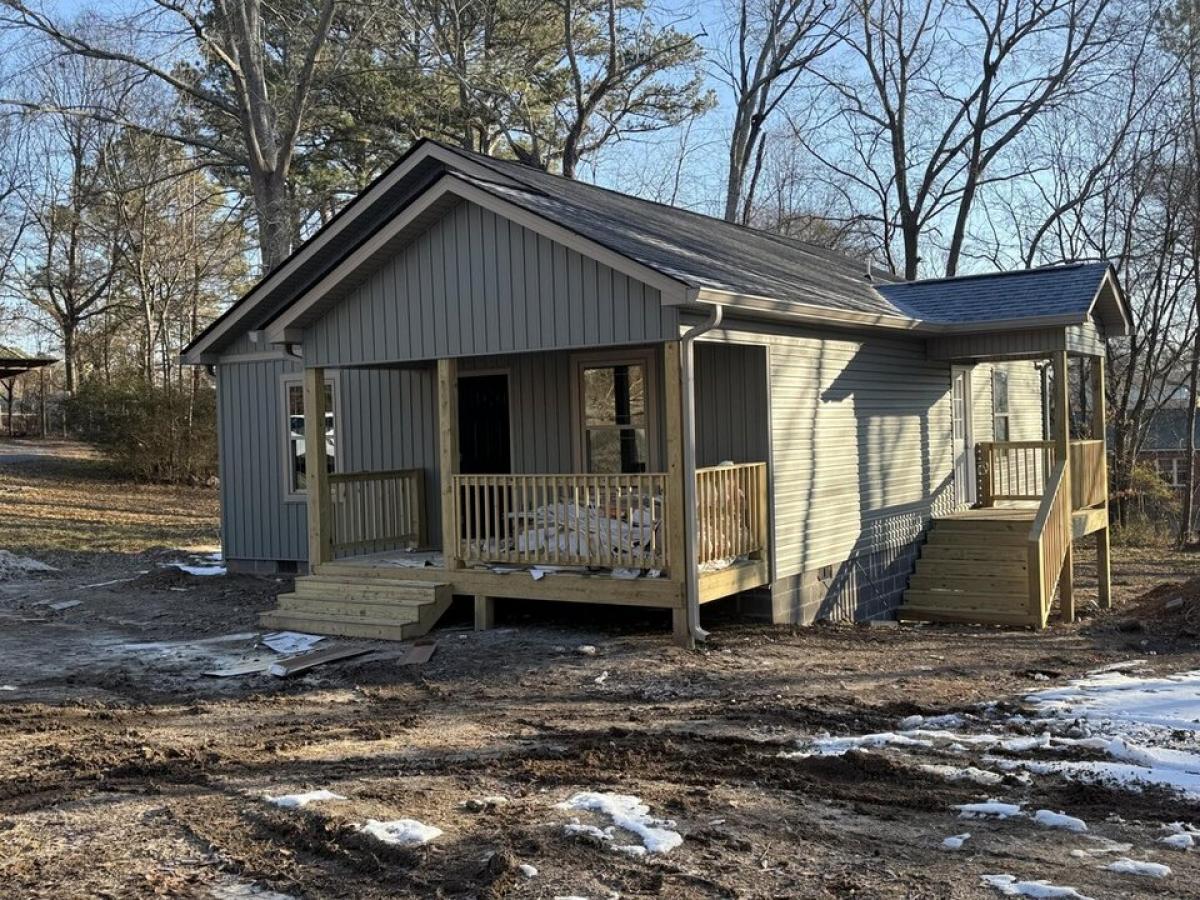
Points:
x=152 y=432
x=1152 y=510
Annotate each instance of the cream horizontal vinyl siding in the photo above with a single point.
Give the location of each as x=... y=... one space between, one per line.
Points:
x=860 y=443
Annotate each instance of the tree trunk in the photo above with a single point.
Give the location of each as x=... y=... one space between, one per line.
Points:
x=272 y=204
x=69 y=358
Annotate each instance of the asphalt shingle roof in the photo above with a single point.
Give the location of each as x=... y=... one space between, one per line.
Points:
x=1052 y=291
x=696 y=250
x=706 y=252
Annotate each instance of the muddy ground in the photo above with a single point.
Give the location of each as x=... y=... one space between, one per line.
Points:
x=126 y=772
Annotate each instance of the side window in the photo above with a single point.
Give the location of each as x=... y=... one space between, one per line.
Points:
x=1000 y=429
x=294 y=400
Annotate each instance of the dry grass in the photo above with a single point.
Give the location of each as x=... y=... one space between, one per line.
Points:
x=73 y=501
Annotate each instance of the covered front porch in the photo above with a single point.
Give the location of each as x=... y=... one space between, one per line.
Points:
x=387 y=546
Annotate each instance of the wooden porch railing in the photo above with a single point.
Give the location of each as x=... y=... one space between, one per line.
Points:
x=377 y=510
x=608 y=521
x=732 y=506
x=1089 y=474
x=605 y=521
x=1017 y=470
x=1012 y=470
x=1049 y=543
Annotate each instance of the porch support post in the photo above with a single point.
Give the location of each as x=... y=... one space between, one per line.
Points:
x=1062 y=447
x=1100 y=433
x=485 y=613
x=447 y=395
x=316 y=470
x=677 y=555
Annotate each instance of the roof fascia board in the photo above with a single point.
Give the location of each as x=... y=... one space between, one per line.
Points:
x=198 y=351
x=285 y=328
x=1110 y=283
x=803 y=312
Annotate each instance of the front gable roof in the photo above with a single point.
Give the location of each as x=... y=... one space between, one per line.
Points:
x=690 y=257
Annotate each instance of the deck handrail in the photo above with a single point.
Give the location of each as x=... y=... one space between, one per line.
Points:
x=732 y=510
x=1049 y=542
x=562 y=519
x=377 y=510
x=1012 y=470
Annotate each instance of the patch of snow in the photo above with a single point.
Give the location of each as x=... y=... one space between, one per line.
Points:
x=586 y=650
x=992 y=809
x=1052 y=819
x=299 y=801
x=602 y=677
x=8 y=687
x=949 y=720
x=291 y=641
x=630 y=814
x=528 y=871
x=1011 y=887
x=13 y=566
x=1169 y=702
x=1182 y=841
x=831 y=746
x=963 y=773
x=212 y=566
x=955 y=842
x=1118 y=667
x=1123 y=775
x=1127 y=866
x=401 y=832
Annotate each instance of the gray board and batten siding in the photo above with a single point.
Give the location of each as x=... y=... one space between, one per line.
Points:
x=474 y=284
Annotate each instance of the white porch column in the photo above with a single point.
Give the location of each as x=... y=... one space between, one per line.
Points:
x=316 y=470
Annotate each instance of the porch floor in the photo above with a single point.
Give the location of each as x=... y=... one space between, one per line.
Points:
x=399 y=595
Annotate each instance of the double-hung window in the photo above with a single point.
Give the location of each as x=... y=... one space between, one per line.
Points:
x=615 y=406
x=296 y=463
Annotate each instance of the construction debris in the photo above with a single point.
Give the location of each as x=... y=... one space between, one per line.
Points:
x=306 y=661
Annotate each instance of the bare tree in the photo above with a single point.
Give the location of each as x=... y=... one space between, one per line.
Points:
x=266 y=58
x=944 y=88
x=772 y=44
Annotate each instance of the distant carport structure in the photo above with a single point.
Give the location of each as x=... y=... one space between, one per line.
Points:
x=13 y=364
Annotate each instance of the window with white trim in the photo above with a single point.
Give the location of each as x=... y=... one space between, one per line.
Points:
x=615 y=412
x=1000 y=415
x=295 y=455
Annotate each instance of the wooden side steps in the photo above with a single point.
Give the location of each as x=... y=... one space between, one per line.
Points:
x=364 y=607
x=972 y=570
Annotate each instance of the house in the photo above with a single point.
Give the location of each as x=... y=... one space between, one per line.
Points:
x=518 y=386
x=1165 y=447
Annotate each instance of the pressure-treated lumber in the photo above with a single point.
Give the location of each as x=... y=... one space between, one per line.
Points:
x=316 y=469
x=447 y=397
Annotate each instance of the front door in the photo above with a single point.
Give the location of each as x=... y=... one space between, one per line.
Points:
x=483 y=431
x=960 y=435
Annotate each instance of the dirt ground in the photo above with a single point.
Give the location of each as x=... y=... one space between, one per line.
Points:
x=126 y=772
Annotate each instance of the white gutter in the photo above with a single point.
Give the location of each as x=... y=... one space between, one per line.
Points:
x=692 y=530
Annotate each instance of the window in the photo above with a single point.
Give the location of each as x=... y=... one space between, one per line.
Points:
x=294 y=398
x=1177 y=475
x=615 y=417
x=1000 y=429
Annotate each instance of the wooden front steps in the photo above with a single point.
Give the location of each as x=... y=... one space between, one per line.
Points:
x=974 y=568
x=356 y=606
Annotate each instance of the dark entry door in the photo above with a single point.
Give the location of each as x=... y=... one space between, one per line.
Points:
x=483 y=438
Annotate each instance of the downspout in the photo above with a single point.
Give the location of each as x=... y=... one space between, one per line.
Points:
x=691 y=524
